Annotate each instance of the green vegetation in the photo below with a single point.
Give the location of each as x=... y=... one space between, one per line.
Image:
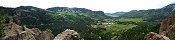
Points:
x=148 y=15
x=119 y=27
x=1 y=25
x=92 y=25
x=143 y=22
x=138 y=32
x=131 y=20
x=147 y=21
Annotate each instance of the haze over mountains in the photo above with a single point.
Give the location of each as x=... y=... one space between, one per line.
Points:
x=117 y=14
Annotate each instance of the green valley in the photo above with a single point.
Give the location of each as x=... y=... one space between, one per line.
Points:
x=92 y=25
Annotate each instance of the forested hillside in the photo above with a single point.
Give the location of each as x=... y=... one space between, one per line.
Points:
x=147 y=21
x=92 y=25
x=33 y=17
x=151 y=14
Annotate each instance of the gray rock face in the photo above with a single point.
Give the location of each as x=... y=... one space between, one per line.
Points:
x=15 y=32
x=68 y=35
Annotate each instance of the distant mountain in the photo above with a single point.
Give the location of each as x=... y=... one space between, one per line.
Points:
x=117 y=14
x=82 y=10
x=169 y=8
x=152 y=21
x=31 y=8
x=60 y=9
x=151 y=14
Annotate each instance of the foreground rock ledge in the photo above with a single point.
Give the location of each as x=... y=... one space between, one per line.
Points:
x=68 y=35
x=15 y=32
x=155 y=36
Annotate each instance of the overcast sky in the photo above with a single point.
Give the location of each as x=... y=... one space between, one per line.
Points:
x=108 y=6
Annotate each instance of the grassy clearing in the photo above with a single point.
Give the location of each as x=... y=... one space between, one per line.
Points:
x=131 y=20
x=119 y=27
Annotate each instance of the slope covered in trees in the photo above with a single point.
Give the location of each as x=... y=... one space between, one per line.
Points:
x=33 y=17
x=148 y=21
x=151 y=14
x=92 y=25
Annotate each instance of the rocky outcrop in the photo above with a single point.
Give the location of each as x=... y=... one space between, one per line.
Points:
x=15 y=32
x=167 y=29
x=155 y=36
x=68 y=35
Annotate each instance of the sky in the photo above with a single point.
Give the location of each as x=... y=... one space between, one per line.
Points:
x=108 y=6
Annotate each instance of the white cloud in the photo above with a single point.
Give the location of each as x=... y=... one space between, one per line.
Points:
x=103 y=5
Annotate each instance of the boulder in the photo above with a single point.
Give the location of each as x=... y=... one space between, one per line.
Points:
x=155 y=36
x=68 y=35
